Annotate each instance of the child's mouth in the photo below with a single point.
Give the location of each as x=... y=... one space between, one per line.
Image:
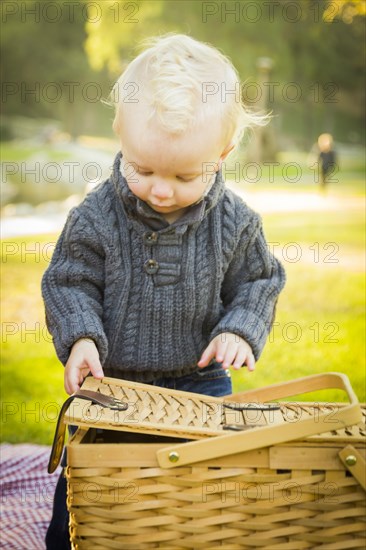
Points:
x=161 y=205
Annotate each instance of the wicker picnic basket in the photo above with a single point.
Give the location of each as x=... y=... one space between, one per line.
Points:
x=256 y=472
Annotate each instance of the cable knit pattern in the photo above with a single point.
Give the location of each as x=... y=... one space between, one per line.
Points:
x=153 y=295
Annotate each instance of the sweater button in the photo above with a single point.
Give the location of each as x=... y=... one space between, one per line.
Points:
x=150 y=237
x=151 y=267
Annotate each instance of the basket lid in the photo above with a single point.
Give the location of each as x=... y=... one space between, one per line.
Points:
x=134 y=407
x=187 y=415
x=150 y=409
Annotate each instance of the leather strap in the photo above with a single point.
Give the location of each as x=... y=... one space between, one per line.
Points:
x=355 y=463
x=59 y=437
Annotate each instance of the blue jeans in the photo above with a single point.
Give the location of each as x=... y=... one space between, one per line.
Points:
x=212 y=380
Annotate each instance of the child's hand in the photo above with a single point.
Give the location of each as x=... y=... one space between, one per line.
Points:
x=84 y=358
x=228 y=349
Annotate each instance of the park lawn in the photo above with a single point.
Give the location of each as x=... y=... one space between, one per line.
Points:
x=319 y=326
x=19 y=152
x=320 y=321
x=317 y=329
x=31 y=376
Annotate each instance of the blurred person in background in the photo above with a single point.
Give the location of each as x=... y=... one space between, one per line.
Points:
x=327 y=159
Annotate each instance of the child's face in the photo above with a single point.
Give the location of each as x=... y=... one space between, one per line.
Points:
x=169 y=173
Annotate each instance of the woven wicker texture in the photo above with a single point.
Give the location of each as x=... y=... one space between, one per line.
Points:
x=188 y=415
x=241 y=508
x=310 y=501
x=151 y=410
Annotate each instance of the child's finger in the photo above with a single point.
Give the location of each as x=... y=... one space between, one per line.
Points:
x=240 y=358
x=96 y=368
x=71 y=380
x=250 y=361
x=67 y=387
x=207 y=355
x=230 y=355
x=221 y=347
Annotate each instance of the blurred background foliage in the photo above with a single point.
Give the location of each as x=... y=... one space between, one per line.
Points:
x=316 y=44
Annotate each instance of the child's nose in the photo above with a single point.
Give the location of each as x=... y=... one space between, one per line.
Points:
x=162 y=190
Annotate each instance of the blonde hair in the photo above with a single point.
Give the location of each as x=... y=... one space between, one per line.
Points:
x=183 y=81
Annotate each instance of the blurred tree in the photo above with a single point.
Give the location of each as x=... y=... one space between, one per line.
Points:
x=60 y=55
x=328 y=68
x=346 y=10
x=122 y=25
x=44 y=70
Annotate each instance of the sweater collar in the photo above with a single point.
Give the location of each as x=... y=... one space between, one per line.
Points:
x=136 y=208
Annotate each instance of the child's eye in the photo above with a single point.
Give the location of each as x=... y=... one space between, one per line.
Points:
x=142 y=173
x=180 y=178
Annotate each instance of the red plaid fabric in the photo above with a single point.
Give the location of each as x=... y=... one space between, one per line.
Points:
x=26 y=494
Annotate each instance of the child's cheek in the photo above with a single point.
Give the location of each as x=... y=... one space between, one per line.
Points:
x=134 y=185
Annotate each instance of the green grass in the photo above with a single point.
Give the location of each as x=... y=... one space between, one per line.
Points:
x=317 y=329
x=13 y=152
x=320 y=323
x=31 y=376
x=345 y=229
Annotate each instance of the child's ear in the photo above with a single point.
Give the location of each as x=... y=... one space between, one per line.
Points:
x=116 y=126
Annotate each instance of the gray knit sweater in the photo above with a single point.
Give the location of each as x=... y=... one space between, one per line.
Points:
x=153 y=295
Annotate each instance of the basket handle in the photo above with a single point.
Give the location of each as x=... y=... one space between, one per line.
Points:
x=197 y=451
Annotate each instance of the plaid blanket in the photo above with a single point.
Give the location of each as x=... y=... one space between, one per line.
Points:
x=26 y=495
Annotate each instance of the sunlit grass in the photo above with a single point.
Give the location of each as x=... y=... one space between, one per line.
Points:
x=13 y=152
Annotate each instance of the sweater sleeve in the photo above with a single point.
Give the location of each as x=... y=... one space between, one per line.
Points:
x=250 y=289
x=73 y=287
